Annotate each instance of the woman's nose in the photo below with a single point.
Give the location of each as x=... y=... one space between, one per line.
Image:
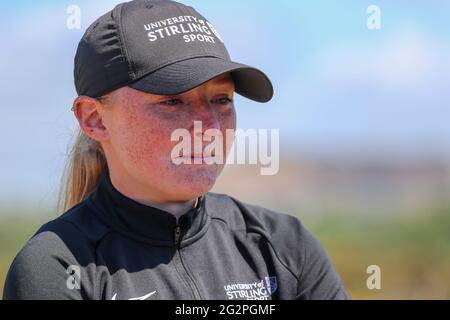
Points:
x=206 y=113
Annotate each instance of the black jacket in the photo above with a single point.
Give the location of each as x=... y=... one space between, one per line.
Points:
x=111 y=247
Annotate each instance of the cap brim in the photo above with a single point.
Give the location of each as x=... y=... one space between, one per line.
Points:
x=185 y=75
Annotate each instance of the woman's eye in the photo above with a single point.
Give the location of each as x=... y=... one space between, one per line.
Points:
x=176 y=102
x=224 y=101
x=172 y=102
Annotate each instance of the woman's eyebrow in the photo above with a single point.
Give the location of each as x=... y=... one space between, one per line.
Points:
x=223 y=83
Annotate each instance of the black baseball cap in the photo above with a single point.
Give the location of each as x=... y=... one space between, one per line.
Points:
x=161 y=47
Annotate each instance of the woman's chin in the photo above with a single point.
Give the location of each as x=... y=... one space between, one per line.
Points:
x=196 y=187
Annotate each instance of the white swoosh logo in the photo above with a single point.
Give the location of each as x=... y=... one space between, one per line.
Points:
x=138 y=298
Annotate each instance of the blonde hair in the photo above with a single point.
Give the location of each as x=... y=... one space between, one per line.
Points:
x=82 y=171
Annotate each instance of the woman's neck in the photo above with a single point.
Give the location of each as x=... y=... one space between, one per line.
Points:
x=176 y=208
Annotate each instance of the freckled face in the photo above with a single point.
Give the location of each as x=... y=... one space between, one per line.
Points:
x=140 y=126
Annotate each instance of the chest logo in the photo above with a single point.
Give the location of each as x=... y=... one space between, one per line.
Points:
x=259 y=290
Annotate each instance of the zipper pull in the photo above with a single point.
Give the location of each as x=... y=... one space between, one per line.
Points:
x=177 y=234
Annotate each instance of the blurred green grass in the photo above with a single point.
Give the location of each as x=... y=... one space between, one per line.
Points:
x=412 y=250
x=15 y=230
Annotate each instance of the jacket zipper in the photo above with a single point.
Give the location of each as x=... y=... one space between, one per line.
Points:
x=191 y=282
x=177 y=234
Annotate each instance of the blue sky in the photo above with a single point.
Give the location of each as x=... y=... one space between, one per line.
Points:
x=338 y=85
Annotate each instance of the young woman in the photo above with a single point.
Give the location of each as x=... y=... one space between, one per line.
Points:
x=139 y=225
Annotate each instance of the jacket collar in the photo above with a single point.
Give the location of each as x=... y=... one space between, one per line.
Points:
x=145 y=223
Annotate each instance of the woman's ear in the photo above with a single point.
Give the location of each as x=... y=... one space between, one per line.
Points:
x=89 y=113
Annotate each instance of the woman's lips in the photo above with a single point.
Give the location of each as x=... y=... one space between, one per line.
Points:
x=197 y=158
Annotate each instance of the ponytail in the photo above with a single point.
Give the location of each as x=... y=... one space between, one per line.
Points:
x=82 y=171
